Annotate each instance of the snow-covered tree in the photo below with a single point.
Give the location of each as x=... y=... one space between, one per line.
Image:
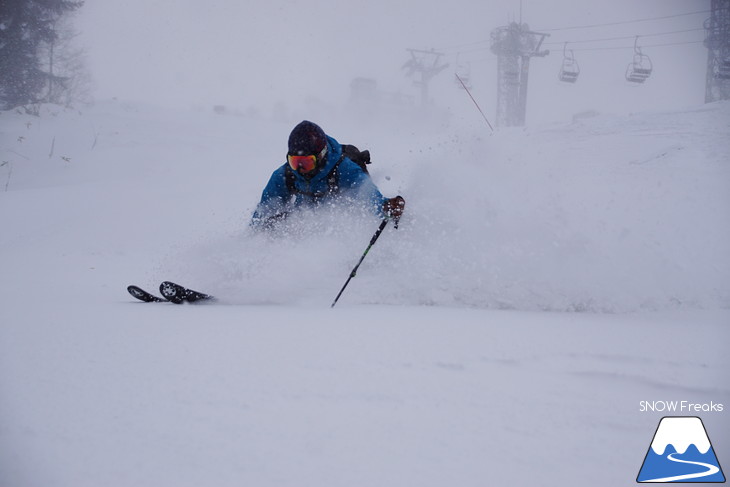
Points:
x=64 y=61
x=27 y=27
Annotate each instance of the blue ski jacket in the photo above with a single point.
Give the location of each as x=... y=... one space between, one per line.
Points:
x=354 y=185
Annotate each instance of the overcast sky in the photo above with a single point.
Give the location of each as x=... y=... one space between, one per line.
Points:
x=258 y=53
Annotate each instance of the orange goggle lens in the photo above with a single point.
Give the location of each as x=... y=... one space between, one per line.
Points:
x=302 y=163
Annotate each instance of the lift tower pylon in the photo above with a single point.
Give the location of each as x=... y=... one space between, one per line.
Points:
x=514 y=45
x=717 y=41
x=427 y=64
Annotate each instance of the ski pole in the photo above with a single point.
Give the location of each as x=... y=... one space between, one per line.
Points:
x=475 y=102
x=354 y=271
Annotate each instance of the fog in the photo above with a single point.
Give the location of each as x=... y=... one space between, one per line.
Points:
x=255 y=56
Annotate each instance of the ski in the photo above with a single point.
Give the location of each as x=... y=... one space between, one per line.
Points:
x=143 y=295
x=178 y=294
x=171 y=292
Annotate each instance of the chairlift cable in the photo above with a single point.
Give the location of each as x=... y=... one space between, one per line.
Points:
x=624 y=37
x=615 y=48
x=632 y=47
x=458 y=47
x=582 y=49
x=590 y=26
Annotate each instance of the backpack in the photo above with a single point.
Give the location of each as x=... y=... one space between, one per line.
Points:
x=361 y=158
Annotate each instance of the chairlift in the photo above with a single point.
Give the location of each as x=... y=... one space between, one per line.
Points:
x=640 y=68
x=569 y=70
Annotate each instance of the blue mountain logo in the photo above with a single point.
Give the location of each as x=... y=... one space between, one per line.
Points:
x=681 y=452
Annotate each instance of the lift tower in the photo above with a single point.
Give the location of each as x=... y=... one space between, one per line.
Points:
x=514 y=45
x=426 y=63
x=717 y=41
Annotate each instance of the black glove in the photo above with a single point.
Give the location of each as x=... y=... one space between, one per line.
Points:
x=393 y=208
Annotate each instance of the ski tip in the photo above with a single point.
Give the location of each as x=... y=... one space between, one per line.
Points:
x=139 y=293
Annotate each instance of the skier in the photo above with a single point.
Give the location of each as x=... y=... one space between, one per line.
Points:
x=317 y=171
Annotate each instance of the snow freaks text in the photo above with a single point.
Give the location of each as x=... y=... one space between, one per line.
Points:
x=680 y=407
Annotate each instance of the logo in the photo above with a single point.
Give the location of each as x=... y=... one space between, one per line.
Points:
x=680 y=452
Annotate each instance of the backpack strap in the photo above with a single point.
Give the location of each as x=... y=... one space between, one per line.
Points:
x=333 y=178
x=289 y=179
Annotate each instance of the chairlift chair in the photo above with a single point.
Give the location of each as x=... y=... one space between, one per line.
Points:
x=640 y=68
x=569 y=70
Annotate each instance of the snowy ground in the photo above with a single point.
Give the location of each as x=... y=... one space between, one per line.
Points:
x=543 y=283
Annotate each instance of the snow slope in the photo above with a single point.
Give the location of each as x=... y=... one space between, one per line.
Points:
x=543 y=282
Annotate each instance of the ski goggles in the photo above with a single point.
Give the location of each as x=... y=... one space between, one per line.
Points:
x=305 y=163
x=302 y=163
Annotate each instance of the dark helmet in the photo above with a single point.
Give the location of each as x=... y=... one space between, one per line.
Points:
x=307 y=139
